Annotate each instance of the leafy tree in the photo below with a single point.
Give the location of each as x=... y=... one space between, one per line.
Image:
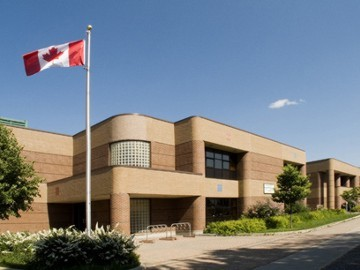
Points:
x=19 y=184
x=292 y=186
x=351 y=196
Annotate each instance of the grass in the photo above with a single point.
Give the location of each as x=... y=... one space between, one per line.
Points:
x=281 y=223
x=314 y=223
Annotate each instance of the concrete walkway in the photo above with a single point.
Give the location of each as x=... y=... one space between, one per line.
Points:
x=312 y=249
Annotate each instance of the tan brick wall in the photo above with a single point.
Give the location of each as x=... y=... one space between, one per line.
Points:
x=162 y=156
x=202 y=129
x=73 y=189
x=255 y=170
x=190 y=157
x=127 y=127
x=120 y=212
x=199 y=214
x=314 y=199
x=184 y=157
x=32 y=221
x=44 y=142
x=156 y=182
x=50 y=166
x=100 y=213
x=99 y=159
x=265 y=167
x=52 y=157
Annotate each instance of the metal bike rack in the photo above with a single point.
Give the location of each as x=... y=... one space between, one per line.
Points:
x=156 y=228
x=183 y=227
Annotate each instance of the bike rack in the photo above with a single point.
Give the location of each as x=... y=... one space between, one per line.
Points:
x=183 y=227
x=155 y=228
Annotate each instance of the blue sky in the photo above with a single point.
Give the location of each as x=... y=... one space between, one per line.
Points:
x=286 y=70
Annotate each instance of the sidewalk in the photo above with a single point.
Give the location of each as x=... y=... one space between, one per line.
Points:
x=312 y=249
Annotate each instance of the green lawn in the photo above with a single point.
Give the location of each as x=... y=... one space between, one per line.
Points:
x=279 y=223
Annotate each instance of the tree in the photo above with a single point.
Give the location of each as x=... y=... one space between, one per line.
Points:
x=292 y=186
x=351 y=196
x=19 y=185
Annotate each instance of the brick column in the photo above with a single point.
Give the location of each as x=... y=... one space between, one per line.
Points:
x=303 y=170
x=199 y=214
x=316 y=190
x=337 y=191
x=356 y=181
x=324 y=192
x=244 y=172
x=331 y=188
x=348 y=181
x=120 y=212
x=198 y=157
x=319 y=187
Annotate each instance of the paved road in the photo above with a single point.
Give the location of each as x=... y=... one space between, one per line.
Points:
x=313 y=249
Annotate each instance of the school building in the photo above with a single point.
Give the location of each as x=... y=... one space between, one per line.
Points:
x=148 y=171
x=330 y=178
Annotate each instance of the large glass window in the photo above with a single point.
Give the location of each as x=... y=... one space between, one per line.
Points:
x=220 y=164
x=220 y=209
x=139 y=215
x=130 y=153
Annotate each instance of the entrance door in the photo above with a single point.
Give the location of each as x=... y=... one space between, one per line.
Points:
x=79 y=216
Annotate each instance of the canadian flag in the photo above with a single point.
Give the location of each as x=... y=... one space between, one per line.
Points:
x=64 y=55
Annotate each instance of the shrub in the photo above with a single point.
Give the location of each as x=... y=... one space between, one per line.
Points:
x=317 y=215
x=263 y=210
x=277 y=222
x=66 y=248
x=234 y=227
x=297 y=208
x=355 y=209
x=16 y=248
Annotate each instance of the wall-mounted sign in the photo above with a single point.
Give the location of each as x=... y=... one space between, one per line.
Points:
x=219 y=188
x=269 y=188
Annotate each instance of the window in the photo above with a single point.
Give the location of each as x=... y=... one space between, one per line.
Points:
x=139 y=214
x=130 y=153
x=220 y=209
x=220 y=164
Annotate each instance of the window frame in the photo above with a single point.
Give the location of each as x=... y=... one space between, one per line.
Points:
x=133 y=157
x=222 y=164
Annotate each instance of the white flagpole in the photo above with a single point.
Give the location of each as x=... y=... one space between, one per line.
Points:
x=88 y=135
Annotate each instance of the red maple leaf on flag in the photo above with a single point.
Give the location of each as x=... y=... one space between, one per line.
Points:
x=52 y=54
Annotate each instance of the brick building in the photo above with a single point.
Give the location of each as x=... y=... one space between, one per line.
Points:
x=150 y=171
x=330 y=178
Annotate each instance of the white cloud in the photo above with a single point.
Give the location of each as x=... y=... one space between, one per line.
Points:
x=282 y=103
